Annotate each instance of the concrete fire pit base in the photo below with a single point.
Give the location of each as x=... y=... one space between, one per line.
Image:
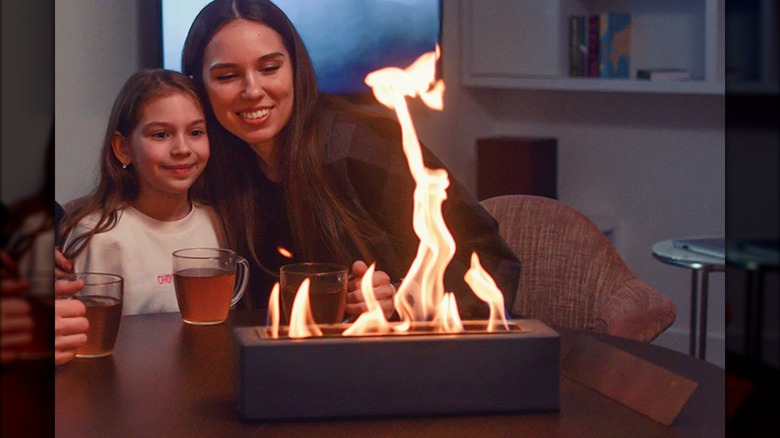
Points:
x=413 y=374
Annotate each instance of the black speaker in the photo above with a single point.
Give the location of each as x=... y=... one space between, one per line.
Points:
x=517 y=165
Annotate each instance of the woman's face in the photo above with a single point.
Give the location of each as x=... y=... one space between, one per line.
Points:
x=248 y=75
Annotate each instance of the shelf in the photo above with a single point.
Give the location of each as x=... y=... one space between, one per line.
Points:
x=596 y=84
x=523 y=44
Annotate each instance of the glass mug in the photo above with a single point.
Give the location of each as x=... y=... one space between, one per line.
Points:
x=327 y=290
x=208 y=282
x=102 y=295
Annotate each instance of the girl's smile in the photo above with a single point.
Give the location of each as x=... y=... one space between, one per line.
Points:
x=180 y=169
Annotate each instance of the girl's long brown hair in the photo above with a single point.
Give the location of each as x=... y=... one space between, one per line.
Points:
x=325 y=224
x=119 y=187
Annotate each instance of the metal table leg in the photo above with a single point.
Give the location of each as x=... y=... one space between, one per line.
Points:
x=694 y=309
x=759 y=313
x=705 y=284
x=749 y=314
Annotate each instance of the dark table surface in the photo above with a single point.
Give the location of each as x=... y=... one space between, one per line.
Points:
x=167 y=378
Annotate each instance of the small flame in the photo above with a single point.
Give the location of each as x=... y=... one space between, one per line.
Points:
x=447 y=318
x=404 y=303
x=273 y=311
x=284 y=252
x=373 y=320
x=484 y=287
x=302 y=324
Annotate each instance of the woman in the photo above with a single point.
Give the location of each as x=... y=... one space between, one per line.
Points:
x=298 y=172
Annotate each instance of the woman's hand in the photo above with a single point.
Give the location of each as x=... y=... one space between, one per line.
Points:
x=384 y=291
x=70 y=322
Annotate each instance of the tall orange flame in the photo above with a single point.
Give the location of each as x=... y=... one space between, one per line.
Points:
x=422 y=290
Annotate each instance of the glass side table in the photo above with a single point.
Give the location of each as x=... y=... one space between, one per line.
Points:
x=700 y=265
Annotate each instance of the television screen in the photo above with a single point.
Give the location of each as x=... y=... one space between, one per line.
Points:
x=346 y=39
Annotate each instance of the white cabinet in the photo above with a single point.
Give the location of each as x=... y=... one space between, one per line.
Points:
x=524 y=44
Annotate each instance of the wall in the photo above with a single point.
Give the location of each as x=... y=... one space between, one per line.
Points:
x=653 y=163
x=95 y=51
x=27 y=93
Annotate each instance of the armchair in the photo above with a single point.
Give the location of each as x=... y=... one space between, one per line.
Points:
x=571 y=274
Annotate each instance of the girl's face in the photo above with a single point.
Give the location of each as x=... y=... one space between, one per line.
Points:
x=168 y=148
x=248 y=76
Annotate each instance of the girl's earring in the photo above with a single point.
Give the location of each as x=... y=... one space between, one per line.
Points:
x=124 y=166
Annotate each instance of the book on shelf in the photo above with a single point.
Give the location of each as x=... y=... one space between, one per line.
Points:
x=578 y=46
x=608 y=45
x=593 y=46
x=663 y=74
x=614 y=45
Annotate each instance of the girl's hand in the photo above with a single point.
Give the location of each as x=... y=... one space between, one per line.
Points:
x=70 y=322
x=384 y=291
x=61 y=264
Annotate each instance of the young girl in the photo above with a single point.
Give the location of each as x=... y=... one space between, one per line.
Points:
x=154 y=149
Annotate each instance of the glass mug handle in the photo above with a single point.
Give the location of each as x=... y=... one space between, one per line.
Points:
x=242 y=279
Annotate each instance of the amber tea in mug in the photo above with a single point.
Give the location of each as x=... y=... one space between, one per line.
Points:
x=208 y=281
x=327 y=290
x=102 y=295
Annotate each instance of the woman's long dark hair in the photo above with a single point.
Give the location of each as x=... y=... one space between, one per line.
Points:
x=119 y=187
x=325 y=224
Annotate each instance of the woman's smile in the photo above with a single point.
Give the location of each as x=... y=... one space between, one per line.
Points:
x=255 y=116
